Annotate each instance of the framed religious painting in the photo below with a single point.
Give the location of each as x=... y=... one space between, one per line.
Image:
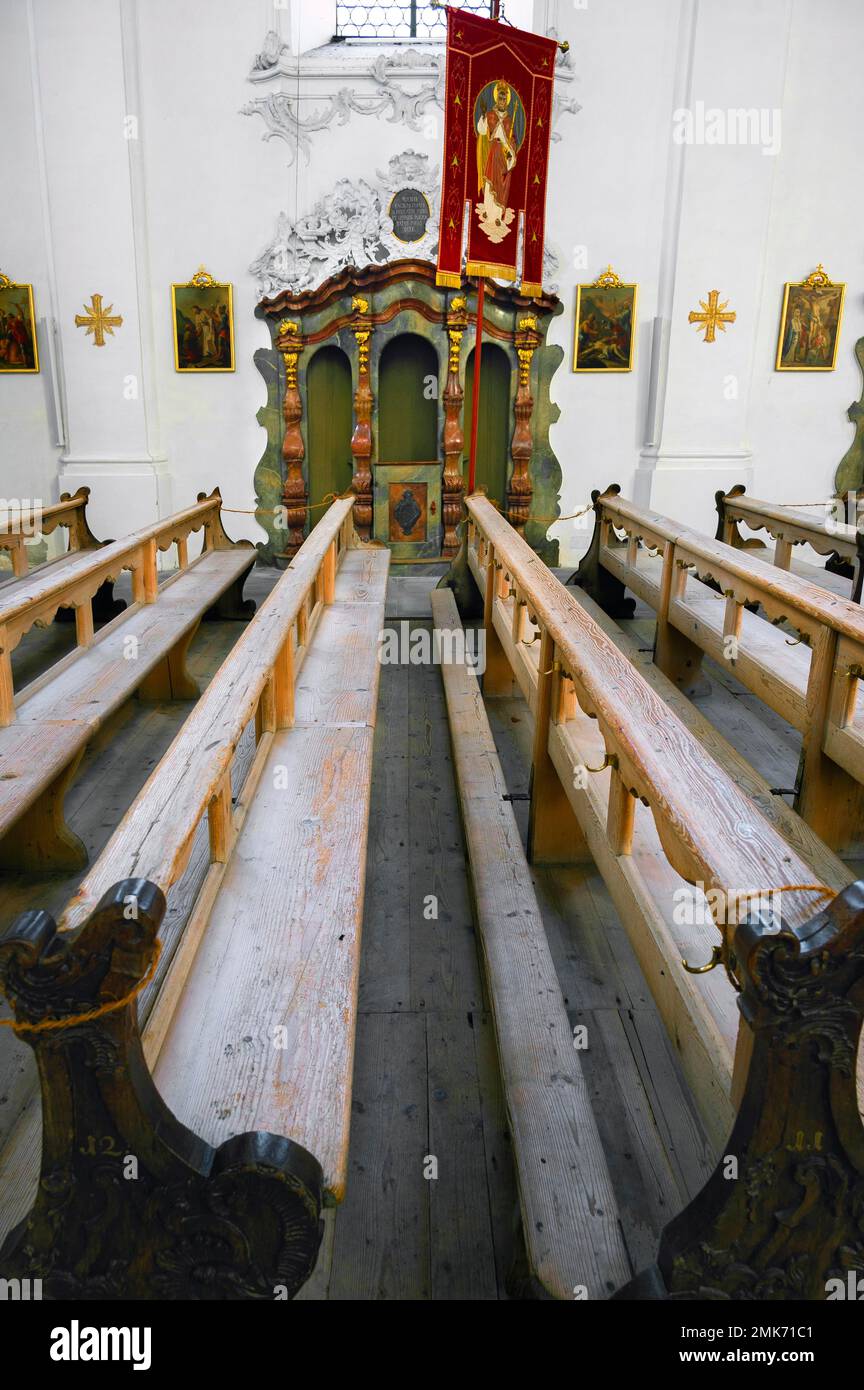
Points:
x=605 y=326
x=203 y=313
x=810 y=324
x=19 y=350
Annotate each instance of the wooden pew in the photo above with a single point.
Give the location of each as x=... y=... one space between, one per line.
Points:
x=249 y=1039
x=71 y=513
x=569 y=1214
x=806 y=671
x=618 y=775
x=843 y=544
x=45 y=728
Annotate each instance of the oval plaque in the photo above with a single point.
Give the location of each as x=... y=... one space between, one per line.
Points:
x=409 y=212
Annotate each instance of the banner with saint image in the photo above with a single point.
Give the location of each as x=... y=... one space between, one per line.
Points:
x=498 y=107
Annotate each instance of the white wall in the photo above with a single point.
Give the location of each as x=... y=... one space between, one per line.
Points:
x=28 y=439
x=199 y=184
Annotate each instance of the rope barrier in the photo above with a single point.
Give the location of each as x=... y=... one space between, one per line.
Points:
x=281 y=506
x=50 y=1025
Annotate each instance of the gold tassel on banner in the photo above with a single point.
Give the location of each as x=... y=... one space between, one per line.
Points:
x=495 y=272
x=444 y=277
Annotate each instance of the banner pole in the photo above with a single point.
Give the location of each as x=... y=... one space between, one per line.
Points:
x=478 y=349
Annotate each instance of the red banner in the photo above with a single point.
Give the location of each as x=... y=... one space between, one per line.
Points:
x=496 y=150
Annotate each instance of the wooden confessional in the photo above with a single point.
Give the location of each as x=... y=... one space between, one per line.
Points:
x=370 y=381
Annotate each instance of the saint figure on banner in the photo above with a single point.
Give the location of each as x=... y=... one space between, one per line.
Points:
x=499 y=119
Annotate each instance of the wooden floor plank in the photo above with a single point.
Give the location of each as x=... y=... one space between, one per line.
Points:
x=462 y=1259
x=381 y=1248
x=445 y=971
x=385 y=963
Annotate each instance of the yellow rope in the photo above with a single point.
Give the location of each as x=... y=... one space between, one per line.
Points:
x=281 y=506
x=792 y=888
x=54 y=1024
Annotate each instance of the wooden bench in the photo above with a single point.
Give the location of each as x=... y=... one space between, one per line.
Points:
x=569 y=1217
x=843 y=572
x=45 y=729
x=806 y=670
x=618 y=775
x=250 y=1037
x=71 y=513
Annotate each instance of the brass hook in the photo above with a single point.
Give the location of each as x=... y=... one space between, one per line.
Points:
x=720 y=955
x=609 y=760
x=716 y=959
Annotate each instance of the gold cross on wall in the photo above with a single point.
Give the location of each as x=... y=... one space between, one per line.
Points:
x=97 y=320
x=712 y=316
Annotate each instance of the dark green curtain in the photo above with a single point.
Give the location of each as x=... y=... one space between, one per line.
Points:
x=330 y=421
x=407 y=401
x=496 y=423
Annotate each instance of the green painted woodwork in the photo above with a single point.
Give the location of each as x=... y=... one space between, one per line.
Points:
x=407 y=407
x=425 y=445
x=850 y=470
x=329 y=420
x=497 y=381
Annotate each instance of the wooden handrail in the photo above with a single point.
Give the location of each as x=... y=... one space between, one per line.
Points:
x=70 y=511
x=768 y=517
x=709 y=830
x=712 y=558
x=154 y=839
x=56 y=514
x=36 y=599
x=818 y=695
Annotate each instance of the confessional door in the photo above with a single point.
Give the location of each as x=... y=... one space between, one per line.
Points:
x=330 y=420
x=493 y=434
x=407 y=476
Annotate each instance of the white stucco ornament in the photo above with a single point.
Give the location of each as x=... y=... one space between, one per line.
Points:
x=352 y=225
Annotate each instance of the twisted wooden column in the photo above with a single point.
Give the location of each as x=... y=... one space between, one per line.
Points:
x=295 y=497
x=361 y=439
x=453 y=439
x=520 y=490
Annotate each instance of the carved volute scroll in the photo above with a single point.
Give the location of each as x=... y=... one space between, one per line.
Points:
x=294 y=495
x=519 y=493
x=453 y=439
x=361 y=439
x=783 y=1212
x=131 y=1204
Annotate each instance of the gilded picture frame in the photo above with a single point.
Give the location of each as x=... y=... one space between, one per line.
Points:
x=604 y=331
x=19 y=343
x=202 y=316
x=810 y=322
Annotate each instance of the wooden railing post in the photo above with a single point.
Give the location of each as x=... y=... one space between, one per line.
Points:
x=220 y=822
x=554 y=834
x=497 y=677
x=328 y=569
x=677 y=657
x=829 y=799
x=7 y=687
x=283 y=685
